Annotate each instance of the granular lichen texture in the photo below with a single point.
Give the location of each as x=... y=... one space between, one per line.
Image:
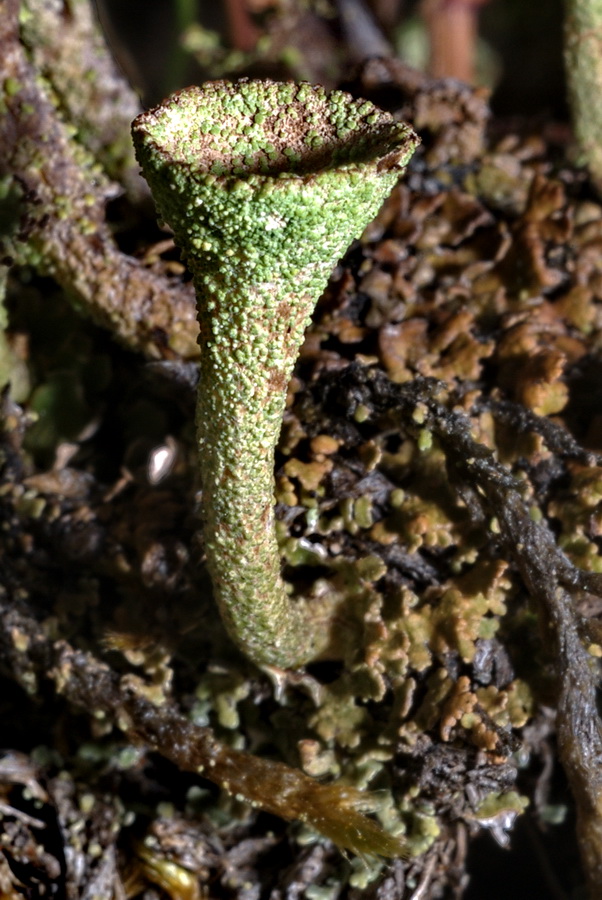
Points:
x=265 y=185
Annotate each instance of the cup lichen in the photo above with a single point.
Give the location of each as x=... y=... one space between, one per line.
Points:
x=265 y=185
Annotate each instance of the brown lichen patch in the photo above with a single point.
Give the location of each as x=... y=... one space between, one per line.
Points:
x=419 y=523
x=309 y=475
x=530 y=268
x=470 y=608
x=577 y=308
x=521 y=703
x=453 y=115
x=414 y=630
x=578 y=511
x=540 y=387
x=459 y=703
x=324 y=445
x=449 y=352
x=341 y=721
x=285 y=491
x=533 y=355
x=402 y=346
x=397 y=637
x=423 y=514
x=479 y=713
x=502 y=182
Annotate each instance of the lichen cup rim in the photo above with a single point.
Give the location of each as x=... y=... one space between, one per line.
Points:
x=346 y=149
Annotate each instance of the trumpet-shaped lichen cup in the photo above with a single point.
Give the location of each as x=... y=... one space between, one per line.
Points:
x=265 y=185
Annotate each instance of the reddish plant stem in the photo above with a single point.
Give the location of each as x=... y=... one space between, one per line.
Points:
x=452 y=27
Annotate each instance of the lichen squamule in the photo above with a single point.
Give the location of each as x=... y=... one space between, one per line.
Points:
x=265 y=185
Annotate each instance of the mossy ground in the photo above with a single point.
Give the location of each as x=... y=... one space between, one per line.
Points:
x=482 y=270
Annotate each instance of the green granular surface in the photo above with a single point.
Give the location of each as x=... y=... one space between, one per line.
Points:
x=265 y=186
x=262 y=127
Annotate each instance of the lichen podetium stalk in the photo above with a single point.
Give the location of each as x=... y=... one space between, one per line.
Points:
x=583 y=65
x=265 y=185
